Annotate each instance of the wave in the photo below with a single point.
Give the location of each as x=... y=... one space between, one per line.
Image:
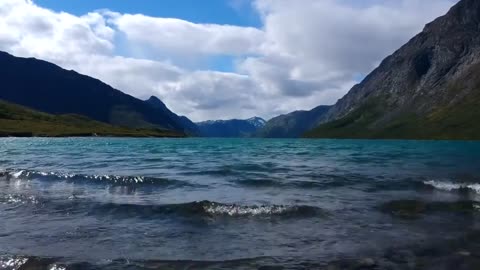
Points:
x=205 y=209
x=450 y=186
x=31 y=262
x=18 y=199
x=105 y=179
x=18 y=262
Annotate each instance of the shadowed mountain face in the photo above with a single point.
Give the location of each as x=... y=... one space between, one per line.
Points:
x=187 y=125
x=231 y=128
x=293 y=125
x=20 y=121
x=48 y=88
x=428 y=89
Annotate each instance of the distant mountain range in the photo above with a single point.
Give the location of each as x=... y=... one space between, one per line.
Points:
x=231 y=128
x=48 y=88
x=293 y=125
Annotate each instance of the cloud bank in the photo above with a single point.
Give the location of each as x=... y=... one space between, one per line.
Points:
x=306 y=53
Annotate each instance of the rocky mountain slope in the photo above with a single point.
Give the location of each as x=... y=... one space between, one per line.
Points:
x=293 y=125
x=428 y=89
x=231 y=128
x=46 y=87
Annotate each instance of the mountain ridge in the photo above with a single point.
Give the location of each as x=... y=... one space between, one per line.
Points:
x=231 y=128
x=412 y=93
x=294 y=124
x=19 y=121
x=46 y=87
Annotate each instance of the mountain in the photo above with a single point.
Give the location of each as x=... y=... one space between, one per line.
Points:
x=428 y=89
x=231 y=128
x=46 y=87
x=293 y=125
x=188 y=126
x=20 y=121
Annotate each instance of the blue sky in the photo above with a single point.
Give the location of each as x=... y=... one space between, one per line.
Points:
x=235 y=12
x=230 y=12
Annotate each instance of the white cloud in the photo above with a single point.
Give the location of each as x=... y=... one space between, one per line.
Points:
x=306 y=53
x=178 y=36
x=316 y=45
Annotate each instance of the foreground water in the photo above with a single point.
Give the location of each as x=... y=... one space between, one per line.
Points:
x=99 y=203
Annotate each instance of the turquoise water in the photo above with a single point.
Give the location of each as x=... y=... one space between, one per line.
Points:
x=103 y=203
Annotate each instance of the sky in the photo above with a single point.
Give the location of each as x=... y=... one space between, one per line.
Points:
x=218 y=59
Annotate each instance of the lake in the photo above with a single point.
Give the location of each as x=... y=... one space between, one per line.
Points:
x=107 y=203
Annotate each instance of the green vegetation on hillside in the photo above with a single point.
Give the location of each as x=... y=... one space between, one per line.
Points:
x=19 y=121
x=456 y=121
x=459 y=122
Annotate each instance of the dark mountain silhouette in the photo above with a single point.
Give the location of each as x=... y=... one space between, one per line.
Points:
x=19 y=121
x=46 y=87
x=188 y=126
x=293 y=125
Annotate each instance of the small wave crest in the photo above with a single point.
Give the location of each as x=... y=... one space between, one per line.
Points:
x=450 y=186
x=213 y=208
x=19 y=263
x=205 y=209
x=107 y=179
x=12 y=263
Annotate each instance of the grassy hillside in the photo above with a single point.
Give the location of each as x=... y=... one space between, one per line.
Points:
x=16 y=120
x=454 y=122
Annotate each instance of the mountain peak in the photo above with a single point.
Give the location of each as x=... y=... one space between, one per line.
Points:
x=41 y=85
x=257 y=121
x=232 y=127
x=156 y=102
x=465 y=13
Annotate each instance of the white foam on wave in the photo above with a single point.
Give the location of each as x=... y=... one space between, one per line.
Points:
x=68 y=176
x=12 y=263
x=56 y=267
x=236 y=210
x=17 y=174
x=449 y=186
x=18 y=263
x=16 y=199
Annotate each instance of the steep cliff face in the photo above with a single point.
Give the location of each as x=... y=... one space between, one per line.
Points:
x=435 y=73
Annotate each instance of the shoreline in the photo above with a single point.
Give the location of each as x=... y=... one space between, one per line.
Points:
x=87 y=135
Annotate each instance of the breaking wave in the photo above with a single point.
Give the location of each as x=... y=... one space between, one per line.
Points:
x=206 y=209
x=450 y=186
x=105 y=179
x=19 y=263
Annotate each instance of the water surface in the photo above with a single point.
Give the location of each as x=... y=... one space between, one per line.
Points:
x=103 y=203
